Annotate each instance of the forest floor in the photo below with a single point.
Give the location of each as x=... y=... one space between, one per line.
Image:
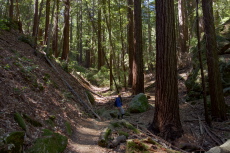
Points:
x=197 y=135
x=29 y=85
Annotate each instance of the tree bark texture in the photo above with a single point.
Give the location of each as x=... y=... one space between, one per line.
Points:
x=47 y=20
x=55 y=34
x=35 y=26
x=130 y=40
x=183 y=29
x=138 y=75
x=99 y=47
x=166 y=118
x=66 y=31
x=11 y=9
x=218 y=108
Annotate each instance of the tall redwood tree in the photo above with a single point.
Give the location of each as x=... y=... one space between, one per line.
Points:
x=166 y=120
x=138 y=74
x=130 y=40
x=218 y=108
x=65 y=48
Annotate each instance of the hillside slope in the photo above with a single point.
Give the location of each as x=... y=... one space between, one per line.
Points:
x=31 y=87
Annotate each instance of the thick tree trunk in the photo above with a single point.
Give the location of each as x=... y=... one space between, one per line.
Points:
x=47 y=20
x=166 y=118
x=35 y=26
x=218 y=107
x=66 y=31
x=138 y=75
x=130 y=40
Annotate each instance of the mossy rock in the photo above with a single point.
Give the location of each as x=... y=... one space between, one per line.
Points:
x=32 y=121
x=123 y=133
x=109 y=114
x=50 y=143
x=91 y=98
x=138 y=104
x=104 y=137
x=136 y=146
x=14 y=142
x=18 y=118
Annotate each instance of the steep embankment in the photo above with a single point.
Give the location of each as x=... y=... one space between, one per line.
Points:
x=31 y=87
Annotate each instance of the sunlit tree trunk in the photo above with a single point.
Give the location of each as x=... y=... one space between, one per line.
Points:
x=80 y=33
x=166 y=120
x=218 y=107
x=66 y=31
x=99 y=47
x=122 y=47
x=130 y=40
x=150 y=48
x=138 y=74
x=55 y=34
x=183 y=28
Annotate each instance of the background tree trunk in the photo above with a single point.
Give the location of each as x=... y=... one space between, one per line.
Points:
x=47 y=21
x=138 y=74
x=166 y=118
x=99 y=47
x=11 y=9
x=218 y=108
x=130 y=40
x=66 y=31
x=35 y=26
x=55 y=34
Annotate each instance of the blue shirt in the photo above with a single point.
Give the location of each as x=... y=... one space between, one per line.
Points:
x=118 y=102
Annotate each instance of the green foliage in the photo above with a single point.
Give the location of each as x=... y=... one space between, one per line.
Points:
x=7 y=24
x=50 y=142
x=136 y=146
x=91 y=98
x=129 y=126
x=13 y=142
x=32 y=121
x=7 y=67
x=18 y=118
x=4 y=24
x=123 y=133
x=27 y=39
x=68 y=128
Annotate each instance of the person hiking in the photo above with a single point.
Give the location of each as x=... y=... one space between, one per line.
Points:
x=118 y=104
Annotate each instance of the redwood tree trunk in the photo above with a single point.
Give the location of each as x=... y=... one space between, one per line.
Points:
x=11 y=9
x=183 y=29
x=218 y=108
x=55 y=35
x=138 y=75
x=47 y=20
x=166 y=120
x=66 y=31
x=35 y=26
x=99 y=47
x=130 y=41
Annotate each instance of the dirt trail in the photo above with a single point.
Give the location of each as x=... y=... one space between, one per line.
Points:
x=86 y=137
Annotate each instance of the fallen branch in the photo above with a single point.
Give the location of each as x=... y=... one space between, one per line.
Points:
x=211 y=135
x=72 y=90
